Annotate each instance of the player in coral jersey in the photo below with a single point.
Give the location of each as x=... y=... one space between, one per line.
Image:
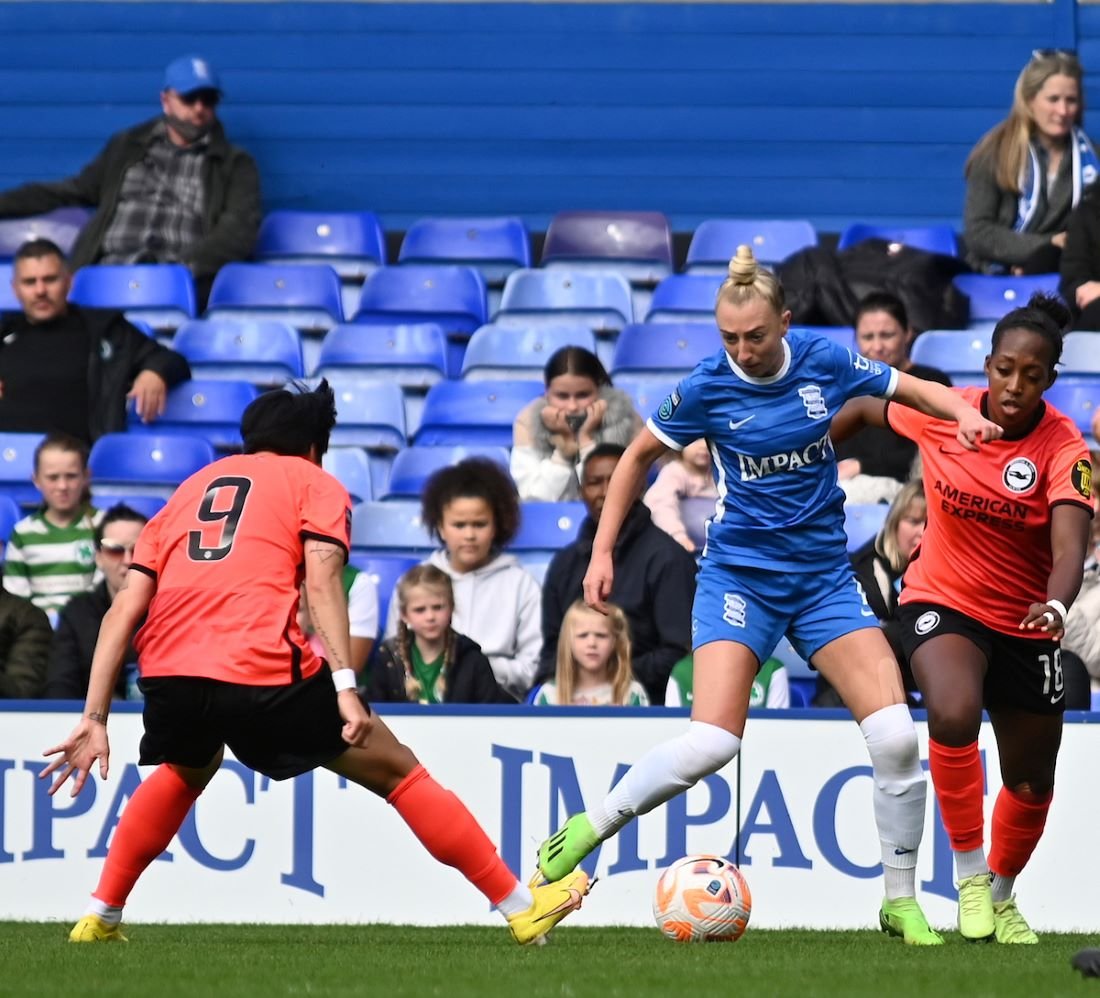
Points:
x=774 y=563
x=224 y=662
x=984 y=603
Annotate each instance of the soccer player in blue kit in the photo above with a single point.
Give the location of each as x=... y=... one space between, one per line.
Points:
x=774 y=563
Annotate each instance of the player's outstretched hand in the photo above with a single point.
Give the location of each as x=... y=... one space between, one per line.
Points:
x=1043 y=617
x=975 y=429
x=77 y=754
x=597 y=582
x=357 y=721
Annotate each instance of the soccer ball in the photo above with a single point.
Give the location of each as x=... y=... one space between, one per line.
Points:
x=702 y=899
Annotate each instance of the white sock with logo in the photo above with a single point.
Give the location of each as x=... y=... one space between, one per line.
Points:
x=899 y=794
x=663 y=772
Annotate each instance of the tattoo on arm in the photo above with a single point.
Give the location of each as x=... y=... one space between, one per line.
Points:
x=94 y=715
x=330 y=646
x=325 y=552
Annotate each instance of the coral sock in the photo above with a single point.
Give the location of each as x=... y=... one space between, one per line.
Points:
x=149 y=820
x=959 y=782
x=1018 y=822
x=451 y=834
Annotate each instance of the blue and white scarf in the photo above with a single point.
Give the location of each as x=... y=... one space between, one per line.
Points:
x=1086 y=168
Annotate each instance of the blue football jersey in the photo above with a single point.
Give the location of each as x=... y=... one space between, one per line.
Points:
x=779 y=505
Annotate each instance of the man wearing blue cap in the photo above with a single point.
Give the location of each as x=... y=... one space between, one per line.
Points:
x=170 y=190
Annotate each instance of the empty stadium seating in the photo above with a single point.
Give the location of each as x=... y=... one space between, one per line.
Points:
x=261 y=351
x=493 y=246
x=10 y=514
x=390 y=528
x=931 y=238
x=414 y=354
x=635 y=244
x=162 y=294
x=991 y=296
x=715 y=241
x=684 y=298
x=306 y=296
x=17 y=466
x=474 y=412
x=498 y=352
x=351 y=466
x=208 y=408
x=61 y=226
x=959 y=353
x=147 y=464
x=664 y=349
x=413 y=466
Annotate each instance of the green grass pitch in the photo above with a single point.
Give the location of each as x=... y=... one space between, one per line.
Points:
x=387 y=960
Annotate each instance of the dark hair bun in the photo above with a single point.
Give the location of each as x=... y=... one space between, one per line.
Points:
x=1052 y=307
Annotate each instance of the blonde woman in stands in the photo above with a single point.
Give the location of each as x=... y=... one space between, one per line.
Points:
x=775 y=564
x=1027 y=173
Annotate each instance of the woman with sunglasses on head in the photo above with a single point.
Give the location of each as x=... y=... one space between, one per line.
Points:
x=985 y=601
x=1028 y=172
x=70 y=665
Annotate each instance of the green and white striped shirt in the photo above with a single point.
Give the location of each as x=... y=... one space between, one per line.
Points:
x=48 y=564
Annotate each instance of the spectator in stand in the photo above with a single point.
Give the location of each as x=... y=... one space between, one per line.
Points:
x=689 y=476
x=70 y=665
x=428 y=661
x=71 y=369
x=170 y=190
x=1082 y=637
x=51 y=553
x=24 y=647
x=1080 y=284
x=593 y=666
x=873 y=464
x=771 y=687
x=555 y=433
x=473 y=509
x=1027 y=173
x=362 y=596
x=654 y=582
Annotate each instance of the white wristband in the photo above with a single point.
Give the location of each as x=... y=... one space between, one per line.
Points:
x=344 y=679
x=1058 y=605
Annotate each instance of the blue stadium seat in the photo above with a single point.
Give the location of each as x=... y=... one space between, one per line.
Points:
x=351 y=242
x=599 y=300
x=797 y=667
x=493 y=246
x=498 y=352
x=800 y=692
x=684 y=298
x=931 y=238
x=351 y=467
x=453 y=296
x=992 y=296
x=1081 y=353
x=392 y=528
x=147 y=464
x=862 y=521
x=307 y=296
x=716 y=240
x=61 y=226
x=545 y=527
x=368 y=415
x=668 y=349
x=162 y=294
x=842 y=336
x=413 y=466
x=959 y=352
x=147 y=505
x=17 y=466
x=474 y=412
x=264 y=352
x=209 y=409
x=384 y=571
x=1078 y=397
x=635 y=244
x=414 y=354
x=10 y=514
x=646 y=391
x=8 y=301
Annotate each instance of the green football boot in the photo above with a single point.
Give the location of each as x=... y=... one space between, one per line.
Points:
x=562 y=853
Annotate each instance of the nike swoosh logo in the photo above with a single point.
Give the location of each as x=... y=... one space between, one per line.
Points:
x=740 y=422
x=902 y=852
x=1058 y=697
x=571 y=903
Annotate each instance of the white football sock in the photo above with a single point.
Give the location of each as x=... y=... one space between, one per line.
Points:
x=899 y=794
x=110 y=914
x=663 y=772
x=970 y=863
x=1002 y=887
x=518 y=901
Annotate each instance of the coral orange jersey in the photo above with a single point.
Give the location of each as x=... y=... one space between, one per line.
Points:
x=227 y=556
x=986 y=548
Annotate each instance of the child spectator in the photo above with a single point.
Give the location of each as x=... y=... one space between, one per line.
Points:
x=362 y=596
x=689 y=477
x=472 y=507
x=593 y=662
x=427 y=661
x=771 y=686
x=51 y=553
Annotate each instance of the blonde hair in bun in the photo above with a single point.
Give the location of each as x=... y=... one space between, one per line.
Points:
x=748 y=280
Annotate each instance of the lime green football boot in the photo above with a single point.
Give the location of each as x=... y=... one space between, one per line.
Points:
x=903 y=917
x=562 y=853
x=976 y=907
x=1011 y=927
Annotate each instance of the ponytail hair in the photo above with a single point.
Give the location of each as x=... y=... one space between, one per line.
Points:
x=748 y=280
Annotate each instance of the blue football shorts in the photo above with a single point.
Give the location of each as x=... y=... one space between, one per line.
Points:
x=757 y=606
